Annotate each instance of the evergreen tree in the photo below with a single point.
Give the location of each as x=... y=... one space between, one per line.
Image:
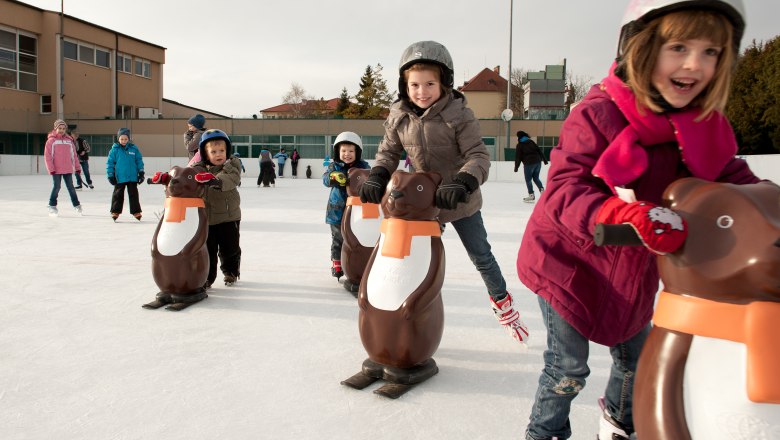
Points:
x=373 y=98
x=754 y=103
x=344 y=103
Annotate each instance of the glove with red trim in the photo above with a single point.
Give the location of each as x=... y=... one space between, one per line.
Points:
x=662 y=230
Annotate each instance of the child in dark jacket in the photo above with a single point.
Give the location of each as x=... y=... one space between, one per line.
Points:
x=657 y=117
x=125 y=169
x=531 y=156
x=223 y=205
x=347 y=152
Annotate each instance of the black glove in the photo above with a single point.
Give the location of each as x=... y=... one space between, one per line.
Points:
x=374 y=187
x=140 y=177
x=112 y=180
x=449 y=195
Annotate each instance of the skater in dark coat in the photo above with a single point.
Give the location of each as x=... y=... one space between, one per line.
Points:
x=266 y=177
x=532 y=157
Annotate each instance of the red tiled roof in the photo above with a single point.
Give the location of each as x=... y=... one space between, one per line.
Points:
x=330 y=105
x=485 y=81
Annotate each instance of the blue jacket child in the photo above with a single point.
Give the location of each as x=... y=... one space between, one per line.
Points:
x=347 y=152
x=125 y=169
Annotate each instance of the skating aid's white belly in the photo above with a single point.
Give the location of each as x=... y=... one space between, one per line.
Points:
x=716 y=403
x=174 y=236
x=391 y=280
x=365 y=229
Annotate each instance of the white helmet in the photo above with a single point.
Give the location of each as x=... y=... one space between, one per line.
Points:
x=352 y=138
x=640 y=12
x=348 y=136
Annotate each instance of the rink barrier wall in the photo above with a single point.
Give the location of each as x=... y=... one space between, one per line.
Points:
x=764 y=166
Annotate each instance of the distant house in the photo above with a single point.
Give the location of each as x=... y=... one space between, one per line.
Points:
x=313 y=108
x=486 y=93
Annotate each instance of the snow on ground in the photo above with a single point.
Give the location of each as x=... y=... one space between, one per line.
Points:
x=80 y=358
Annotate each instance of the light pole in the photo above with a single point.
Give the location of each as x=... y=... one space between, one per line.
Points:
x=507 y=114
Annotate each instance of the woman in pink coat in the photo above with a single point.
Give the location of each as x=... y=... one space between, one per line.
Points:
x=61 y=161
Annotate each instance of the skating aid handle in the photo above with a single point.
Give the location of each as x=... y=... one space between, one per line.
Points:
x=616 y=235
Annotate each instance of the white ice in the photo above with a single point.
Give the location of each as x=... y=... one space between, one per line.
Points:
x=80 y=358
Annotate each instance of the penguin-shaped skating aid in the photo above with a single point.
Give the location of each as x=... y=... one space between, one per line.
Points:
x=180 y=260
x=401 y=318
x=360 y=229
x=308 y=171
x=708 y=369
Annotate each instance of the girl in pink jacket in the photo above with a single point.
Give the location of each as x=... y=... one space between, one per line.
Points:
x=61 y=162
x=656 y=117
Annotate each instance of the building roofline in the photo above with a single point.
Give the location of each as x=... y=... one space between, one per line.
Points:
x=170 y=101
x=88 y=23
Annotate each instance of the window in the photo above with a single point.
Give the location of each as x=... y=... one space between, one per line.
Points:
x=71 y=50
x=45 y=103
x=102 y=58
x=86 y=54
x=18 y=60
x=124 y=63
x=124 y=111
x=143 y=68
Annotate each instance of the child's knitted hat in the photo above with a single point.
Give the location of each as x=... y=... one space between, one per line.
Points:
x=197 y=121
x=123 y=131
x=59 y=122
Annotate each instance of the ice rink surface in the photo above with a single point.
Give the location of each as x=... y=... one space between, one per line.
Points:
x=80 y=358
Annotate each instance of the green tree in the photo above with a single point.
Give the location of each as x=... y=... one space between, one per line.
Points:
x=344 y=102
x=754 y=103
x=373 y=98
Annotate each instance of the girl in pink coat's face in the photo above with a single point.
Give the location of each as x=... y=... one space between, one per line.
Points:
x=60 y=130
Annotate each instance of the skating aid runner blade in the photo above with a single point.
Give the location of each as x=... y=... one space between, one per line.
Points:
x=393 y=390
x=359 y=381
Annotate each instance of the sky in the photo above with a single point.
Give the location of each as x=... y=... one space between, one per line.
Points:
x=236 y=57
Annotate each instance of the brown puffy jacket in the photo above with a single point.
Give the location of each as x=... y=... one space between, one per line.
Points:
x=445 y=139
x=224 y=205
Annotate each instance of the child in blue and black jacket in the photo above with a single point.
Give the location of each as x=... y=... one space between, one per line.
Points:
x=347 y=152
x=125 y=169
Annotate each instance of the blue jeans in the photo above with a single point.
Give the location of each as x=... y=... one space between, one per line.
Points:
x=531 y=172
x=58 y=178
x=564 y=374
x=85 y=170
x=472 y=233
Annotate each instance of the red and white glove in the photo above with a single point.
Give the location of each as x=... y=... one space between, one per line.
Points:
x=662 y=230
x=161 y=178
x=207 y=178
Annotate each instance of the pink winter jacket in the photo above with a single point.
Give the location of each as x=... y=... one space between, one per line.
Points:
x=606 y=293
x=60 y=154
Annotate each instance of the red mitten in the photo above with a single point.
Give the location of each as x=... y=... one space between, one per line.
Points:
x=661 y=229
x=204 y=177
x=161 y=178
x=207 y=178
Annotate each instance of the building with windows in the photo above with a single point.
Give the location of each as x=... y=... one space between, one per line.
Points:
x=545 y=93
x=53 y=65
x=486 y=93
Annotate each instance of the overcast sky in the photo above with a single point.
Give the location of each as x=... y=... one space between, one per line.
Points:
x=236 y=57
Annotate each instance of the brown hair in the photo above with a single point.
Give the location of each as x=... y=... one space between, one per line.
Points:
x=641 y=55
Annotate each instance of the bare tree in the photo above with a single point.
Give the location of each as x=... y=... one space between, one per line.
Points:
x=298 y=100
x=519 y=77
x=578 y=86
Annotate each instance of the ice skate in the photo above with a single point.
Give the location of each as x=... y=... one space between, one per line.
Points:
x=610 y=429
x=53 y=211
x=336 y=270
x=510 y=318
x=230 y=279
x=78 y=210
x=530 y=199
x=78 y=187
x=137 y=216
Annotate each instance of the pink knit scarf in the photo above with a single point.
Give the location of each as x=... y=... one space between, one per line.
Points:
x=706 y=146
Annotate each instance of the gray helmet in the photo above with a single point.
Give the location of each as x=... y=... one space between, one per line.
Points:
x=640 y=12
x=426 y=52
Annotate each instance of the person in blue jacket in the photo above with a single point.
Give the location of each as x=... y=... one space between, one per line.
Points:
x=281 y=157
x=347 y=152
x=125 y=169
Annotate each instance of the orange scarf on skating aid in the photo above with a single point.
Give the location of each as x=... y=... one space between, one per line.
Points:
x=399 y=233
x=176 y=207
x=757 y=325
x=370 y=210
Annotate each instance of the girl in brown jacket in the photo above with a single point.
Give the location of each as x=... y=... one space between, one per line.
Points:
x=431 y=122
